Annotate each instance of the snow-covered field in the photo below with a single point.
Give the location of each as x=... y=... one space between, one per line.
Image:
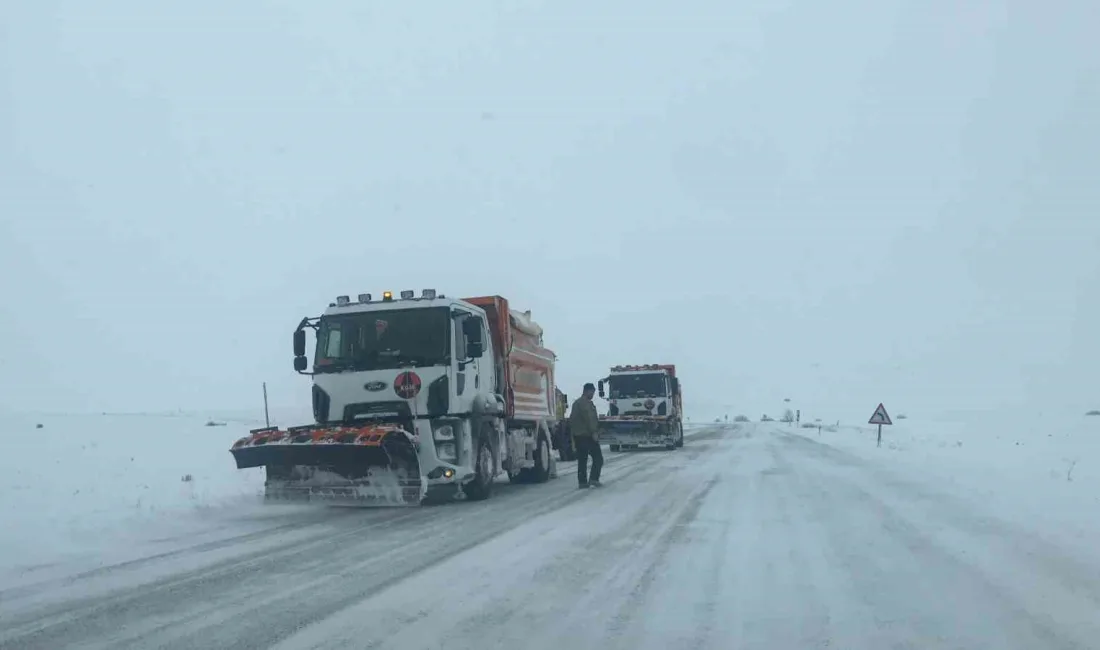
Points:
x=1039 y=469
x=93 y=487
x=756 y=535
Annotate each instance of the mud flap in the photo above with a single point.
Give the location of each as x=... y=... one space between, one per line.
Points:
x=367 y=466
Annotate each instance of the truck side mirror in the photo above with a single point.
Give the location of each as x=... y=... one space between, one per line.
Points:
x=675 y=386
x=599 y=385
x=300 y=363
x=299 y=343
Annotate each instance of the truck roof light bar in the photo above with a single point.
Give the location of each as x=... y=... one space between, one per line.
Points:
x=364 y=298
x=407 y=294
x=343 y=301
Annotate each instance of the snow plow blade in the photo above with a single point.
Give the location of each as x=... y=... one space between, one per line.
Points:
x=633 y=430
x=339 y=465
x=627 y=425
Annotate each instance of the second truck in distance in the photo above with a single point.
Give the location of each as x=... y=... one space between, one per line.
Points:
x=645 y=407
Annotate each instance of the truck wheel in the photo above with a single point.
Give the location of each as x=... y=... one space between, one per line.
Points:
x=540 y=473
x=563 y=447
x=481 y=487
x=680 y=440
x=613 y=447
x=566 y=451
x=564 y=443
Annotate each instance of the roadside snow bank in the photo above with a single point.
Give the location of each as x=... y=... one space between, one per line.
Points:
x=84 y=485
x=1043 y=470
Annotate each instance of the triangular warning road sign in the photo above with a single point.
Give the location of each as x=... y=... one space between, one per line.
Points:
x=880 y=416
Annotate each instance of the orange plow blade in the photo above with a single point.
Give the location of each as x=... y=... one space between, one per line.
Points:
x=374 y=465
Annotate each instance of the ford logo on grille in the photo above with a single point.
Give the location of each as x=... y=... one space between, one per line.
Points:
x=375 y=386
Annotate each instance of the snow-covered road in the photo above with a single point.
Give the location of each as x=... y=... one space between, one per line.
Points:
x=751 y=536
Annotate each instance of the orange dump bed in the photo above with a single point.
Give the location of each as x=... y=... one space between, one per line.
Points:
x=525 y=369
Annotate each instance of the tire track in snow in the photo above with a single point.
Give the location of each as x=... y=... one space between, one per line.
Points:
x=598 y=582
x=518 y=586
x=625 y=618
x=809 y=616
x=270 y=535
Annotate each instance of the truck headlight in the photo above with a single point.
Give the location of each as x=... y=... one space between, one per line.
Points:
x=446 y=451
x=444 y=432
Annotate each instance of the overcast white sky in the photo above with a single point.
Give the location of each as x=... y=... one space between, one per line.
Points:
x=840 y=202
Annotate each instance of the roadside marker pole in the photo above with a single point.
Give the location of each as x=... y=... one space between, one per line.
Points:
x=267 y=418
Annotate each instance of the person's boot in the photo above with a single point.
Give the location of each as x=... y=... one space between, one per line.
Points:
x=595 y=484
x=582 y=486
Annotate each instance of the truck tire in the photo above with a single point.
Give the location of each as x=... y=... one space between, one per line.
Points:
x=540 y=473
x=613 y=447
x=680 y=440
x=567 y=450
x=671 y=430
x=564 y=442
x=481 y=487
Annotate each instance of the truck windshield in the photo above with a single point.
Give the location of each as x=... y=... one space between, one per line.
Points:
x=380 y=340
x=645 y=385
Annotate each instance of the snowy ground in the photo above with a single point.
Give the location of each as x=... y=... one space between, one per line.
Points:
x=751 y=536
x=84 y=486
x=1040 y=470
x=88 y=491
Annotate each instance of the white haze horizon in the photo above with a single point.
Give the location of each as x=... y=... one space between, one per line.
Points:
x=842 y=205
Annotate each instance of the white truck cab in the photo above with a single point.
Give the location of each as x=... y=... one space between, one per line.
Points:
x=411 y=397
x=643 y=407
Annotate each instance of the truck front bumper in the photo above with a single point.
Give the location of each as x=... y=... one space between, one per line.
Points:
x=637 y=432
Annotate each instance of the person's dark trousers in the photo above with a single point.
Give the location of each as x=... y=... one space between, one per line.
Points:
x=586 y=447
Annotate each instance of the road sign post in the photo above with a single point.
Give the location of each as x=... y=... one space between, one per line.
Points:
x=880 y=417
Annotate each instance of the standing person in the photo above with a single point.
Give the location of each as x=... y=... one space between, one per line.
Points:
x=584 y=424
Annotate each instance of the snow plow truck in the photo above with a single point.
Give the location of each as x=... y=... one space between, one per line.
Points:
x=644 y=407
x=413 y=398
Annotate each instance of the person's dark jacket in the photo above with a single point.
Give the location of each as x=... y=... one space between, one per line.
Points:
x=583 y=419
